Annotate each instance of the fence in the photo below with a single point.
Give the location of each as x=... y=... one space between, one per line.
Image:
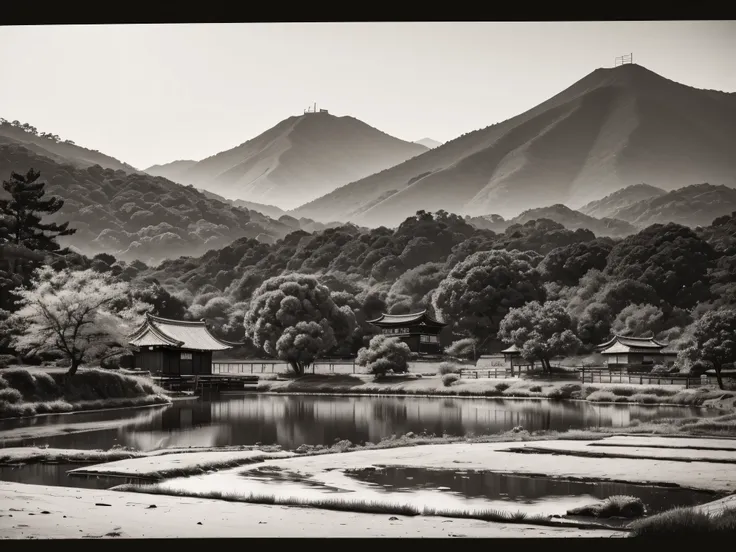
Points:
x=275 y=367
x=588 y=375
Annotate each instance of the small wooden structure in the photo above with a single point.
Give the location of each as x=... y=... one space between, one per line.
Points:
x=175 y=347
x=418 y=330
x=623 y=352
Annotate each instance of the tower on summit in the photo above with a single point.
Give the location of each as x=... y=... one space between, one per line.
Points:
x=621 y=60
x=313 y=109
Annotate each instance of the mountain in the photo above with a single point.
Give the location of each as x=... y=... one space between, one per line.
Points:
x=569 y=218
x=136 y=215
x=428 y=143
x=299 y=159
x=695 y=205
x=172 y=170
x=52 y=147
x=610 y=205
x=610 y=129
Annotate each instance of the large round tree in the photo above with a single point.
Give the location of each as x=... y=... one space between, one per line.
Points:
x=480 y=290
x=293 y=318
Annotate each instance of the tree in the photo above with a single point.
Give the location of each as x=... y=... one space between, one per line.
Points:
x=24 y=210
x=479 y=291
x=75 y=314
x=24 y=239
x=293 y=317
x=385 y=354
x=714 y=340
x=462 y=348
x=670 y=258
x=569 y=263
x=540 y=331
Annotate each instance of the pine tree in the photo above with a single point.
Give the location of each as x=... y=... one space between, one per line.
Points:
x=24 y=210
x=24 y=238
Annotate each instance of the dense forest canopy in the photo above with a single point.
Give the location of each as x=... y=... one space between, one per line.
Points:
x=660 y=281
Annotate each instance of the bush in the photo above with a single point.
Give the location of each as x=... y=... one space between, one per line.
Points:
x=503 y=386
x=449 y=379
x=385 y=354
x=11 y=396
x=7 y=360
x=463 y=348
x=448 y=368
x=613 y=506
x=536 y=389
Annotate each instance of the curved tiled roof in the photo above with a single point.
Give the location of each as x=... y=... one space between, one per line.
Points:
x=412 y=318
x=512 y=349
x=162 y=332
x=636 y=342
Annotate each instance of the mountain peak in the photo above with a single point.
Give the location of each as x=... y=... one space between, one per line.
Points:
x=297 y=160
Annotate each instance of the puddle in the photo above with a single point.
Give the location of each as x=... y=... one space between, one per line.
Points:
x=505 y=491
x=266 y=476
x=55 y=475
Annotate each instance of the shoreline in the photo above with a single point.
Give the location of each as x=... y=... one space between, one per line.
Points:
x=466 y=396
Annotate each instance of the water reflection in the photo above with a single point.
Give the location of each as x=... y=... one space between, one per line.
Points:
x=56 y=475
x=293 y=420
x=519 y=489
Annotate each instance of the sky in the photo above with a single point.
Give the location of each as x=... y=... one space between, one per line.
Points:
x=150 y=94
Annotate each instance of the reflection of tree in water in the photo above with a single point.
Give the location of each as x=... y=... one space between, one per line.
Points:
x=496 y=486
x=294 y=420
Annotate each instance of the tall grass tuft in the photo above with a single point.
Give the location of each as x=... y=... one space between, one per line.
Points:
x=687 y=522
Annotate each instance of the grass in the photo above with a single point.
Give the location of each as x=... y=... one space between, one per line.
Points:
x=358 y=506
x=185 y=471
x=613 y=506
x=31 y=392
x=636 y=394
x=29 y=455
x=687 y=522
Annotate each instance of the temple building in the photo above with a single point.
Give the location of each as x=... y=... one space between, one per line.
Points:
x=635 y=352
x=175 y=347
x=418 y=330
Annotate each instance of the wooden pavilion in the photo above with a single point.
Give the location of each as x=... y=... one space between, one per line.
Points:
x=635 y=352
x=175 y=347
x=418 y=330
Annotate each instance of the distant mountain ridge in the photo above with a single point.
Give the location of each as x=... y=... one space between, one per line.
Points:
x=610 y=129
x=610 y=205
x=299 y=159
x=60 y=151
x=695 y=205
x=428 y=143
x=569 y=218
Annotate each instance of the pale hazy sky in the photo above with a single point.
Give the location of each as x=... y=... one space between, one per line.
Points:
x=155 y=93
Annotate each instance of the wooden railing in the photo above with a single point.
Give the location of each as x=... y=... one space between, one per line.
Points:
x=274 y=367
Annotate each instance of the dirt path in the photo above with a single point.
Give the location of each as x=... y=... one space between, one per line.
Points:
x=61 y=512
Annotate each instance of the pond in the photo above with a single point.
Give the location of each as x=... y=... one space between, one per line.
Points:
x=292 y=420
x=55 y=475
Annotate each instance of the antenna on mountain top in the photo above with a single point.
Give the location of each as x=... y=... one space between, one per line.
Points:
x=621 y=60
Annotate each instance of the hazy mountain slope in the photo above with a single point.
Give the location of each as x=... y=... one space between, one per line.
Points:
x=612 y=128
x=135 y=215
x=299 y=159
x=59 y=150
x=610 y=205
x=172 y=170
x=428 y=143
x=696 y=205
x=569 y=218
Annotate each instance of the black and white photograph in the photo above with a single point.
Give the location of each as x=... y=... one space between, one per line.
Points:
x=441 y=279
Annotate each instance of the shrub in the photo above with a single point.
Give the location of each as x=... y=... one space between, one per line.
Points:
x=566 y=391
x=614 y=506
x=463 y=348
x=10 y=396
x=536 y=389
x=7 y=360
x=385 y=354
x=449 y=379
x=503 y=386
x=448 y=368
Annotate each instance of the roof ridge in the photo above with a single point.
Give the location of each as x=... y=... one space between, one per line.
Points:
x=162 y=320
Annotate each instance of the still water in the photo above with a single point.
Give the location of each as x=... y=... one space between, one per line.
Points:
x=56 y=475
x=293 y=420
